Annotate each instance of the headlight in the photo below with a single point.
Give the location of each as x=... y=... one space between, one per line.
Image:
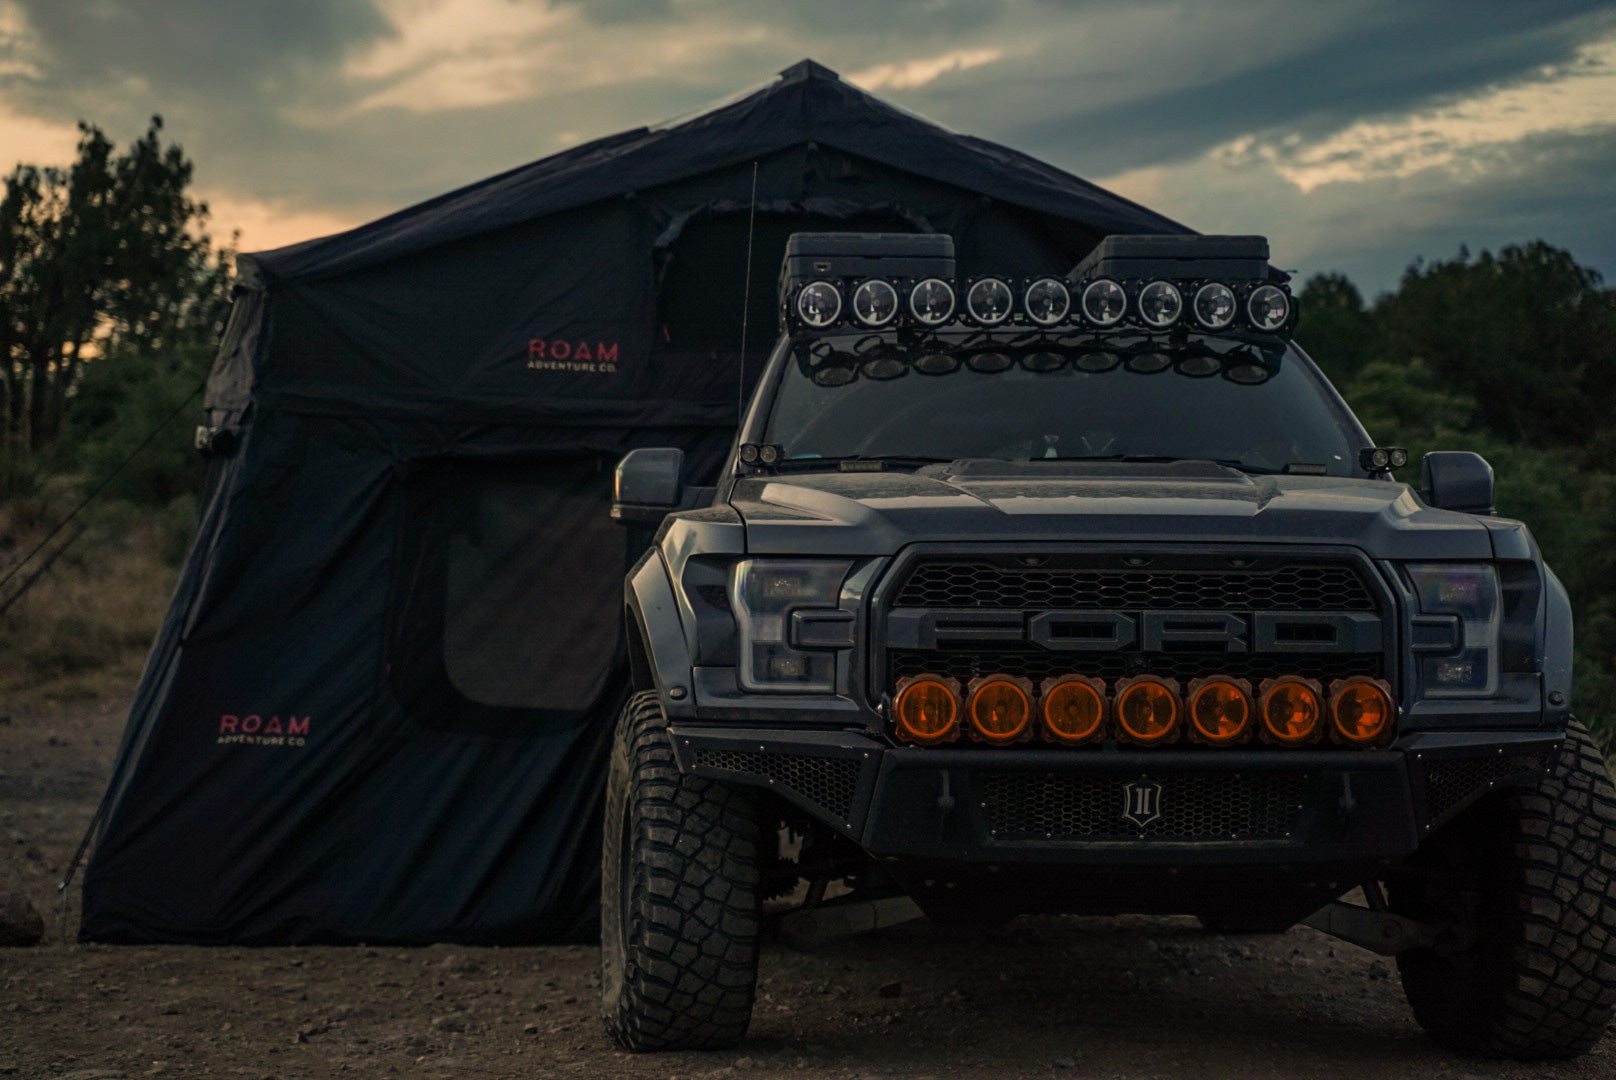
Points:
x=989 y=301
x=1047 y=301
x=931 y=302
x=765 y=592
x=875 y=303
x=1160 y=304
x=819 y=304
x=1268 y=307
x=1215 y=305
x=1469 y=592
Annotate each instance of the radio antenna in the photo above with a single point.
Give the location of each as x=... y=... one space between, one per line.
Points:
x=746 y=302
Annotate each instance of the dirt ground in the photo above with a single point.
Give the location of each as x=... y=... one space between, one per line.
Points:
x=1041 y=997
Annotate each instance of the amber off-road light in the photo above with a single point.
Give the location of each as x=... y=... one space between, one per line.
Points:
x=1219 y=710
x=1073 y=709
x=1147 y=708
x=927 y=710
x=1290 y=708
x=1361 y=710
x=1000 y=708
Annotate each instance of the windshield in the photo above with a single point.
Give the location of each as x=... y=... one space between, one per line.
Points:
x=1123 y=397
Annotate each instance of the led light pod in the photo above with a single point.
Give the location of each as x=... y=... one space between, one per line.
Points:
x=1047 y=301
x=875 y=303
x=926 y=710
x=1268 y=307
x=1290 y=710
x=1000 y=709
x=1361 y=711
x=1073 y=709
x=931 y=302
x=1147 y=710
x=1160 y=304
x=1215 y=305
x=989 y=302
x=1220 y=710
x=819 y=304
x=1104 y=302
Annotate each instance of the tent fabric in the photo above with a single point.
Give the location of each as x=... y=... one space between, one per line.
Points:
x=379 y=707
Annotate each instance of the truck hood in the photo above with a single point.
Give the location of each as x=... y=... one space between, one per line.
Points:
x=876 y=513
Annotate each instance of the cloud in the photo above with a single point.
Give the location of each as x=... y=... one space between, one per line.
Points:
x=264 y=224
x=1464 y=136
x=1225 y=72
x=1552 y=186
x=909 y=74
x=191 y=47
x=309 y=114
x=451 y=55
x=32 y=141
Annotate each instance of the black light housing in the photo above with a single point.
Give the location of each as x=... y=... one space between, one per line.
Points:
x=1382 y=458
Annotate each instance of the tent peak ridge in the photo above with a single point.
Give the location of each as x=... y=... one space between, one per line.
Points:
x=807 y=68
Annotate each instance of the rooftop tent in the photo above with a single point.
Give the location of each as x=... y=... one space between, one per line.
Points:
x=379 y=707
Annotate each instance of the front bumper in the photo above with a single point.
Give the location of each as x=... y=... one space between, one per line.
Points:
x=1314 y=812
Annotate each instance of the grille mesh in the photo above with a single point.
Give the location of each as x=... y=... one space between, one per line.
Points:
x=829 y=782
x=1039 y=664
x=1197 y=807
x=1449 y=783
x=967 y=583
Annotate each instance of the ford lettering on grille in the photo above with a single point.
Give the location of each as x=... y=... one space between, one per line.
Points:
x=1144 y=631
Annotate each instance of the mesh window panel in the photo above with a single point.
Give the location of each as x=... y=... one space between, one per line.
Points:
x=1193 y=807
x=825 y=781
x=506 y=599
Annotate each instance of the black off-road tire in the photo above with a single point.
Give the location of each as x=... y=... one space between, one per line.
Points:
x=680 y=896
x=1540 y=980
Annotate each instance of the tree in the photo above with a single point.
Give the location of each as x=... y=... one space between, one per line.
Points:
x=1337 y=331
x=101 y=262
x=1528 y=333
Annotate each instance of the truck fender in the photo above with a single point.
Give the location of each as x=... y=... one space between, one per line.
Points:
x=1557 y=648
x=659 y=657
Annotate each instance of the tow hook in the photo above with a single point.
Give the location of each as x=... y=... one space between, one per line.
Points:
x=1384 y=932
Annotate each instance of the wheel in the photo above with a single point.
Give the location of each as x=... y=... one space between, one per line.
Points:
x=1536 y=867
x=679 y=896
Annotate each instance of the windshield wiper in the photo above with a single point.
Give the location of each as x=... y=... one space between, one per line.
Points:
x=860 y=462
x=1167 y=459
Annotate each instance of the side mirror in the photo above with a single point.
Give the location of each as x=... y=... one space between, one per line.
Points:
x=649 y=485
x=1457 y=480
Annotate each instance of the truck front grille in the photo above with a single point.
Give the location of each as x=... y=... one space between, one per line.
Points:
x=998 y=583
x=1244 y=614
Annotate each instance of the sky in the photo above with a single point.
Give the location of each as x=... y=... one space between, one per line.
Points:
x=1359 y=135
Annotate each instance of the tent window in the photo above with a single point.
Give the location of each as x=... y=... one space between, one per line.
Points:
x=507 y=610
